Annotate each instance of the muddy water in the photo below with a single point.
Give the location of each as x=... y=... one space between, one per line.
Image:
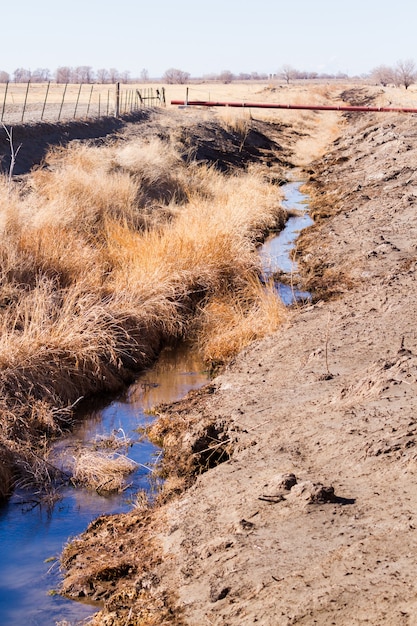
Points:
x=31 y=535
x=276 y=251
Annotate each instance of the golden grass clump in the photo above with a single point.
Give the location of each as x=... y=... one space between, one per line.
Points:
x=101 y=471
x=80 y=189
x=230 y=322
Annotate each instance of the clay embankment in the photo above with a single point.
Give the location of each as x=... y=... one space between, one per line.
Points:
x=331 y=400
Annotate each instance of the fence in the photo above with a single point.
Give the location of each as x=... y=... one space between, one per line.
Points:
x=22 y=103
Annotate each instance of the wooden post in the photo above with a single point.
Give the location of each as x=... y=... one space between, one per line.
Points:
x=117 y=102
x=4 y=101
x=62 y=102
x=26 y=97
x=108 y=102
x=44 y=103
x=77 y=100
x=89 y=100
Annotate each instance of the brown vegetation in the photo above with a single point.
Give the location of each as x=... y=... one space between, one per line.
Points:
x=111 y=251
x=102 y=471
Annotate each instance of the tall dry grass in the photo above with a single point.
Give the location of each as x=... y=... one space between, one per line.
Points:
x=108 y=253
x=231 y=321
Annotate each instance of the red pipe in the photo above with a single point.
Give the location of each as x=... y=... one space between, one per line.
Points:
x=307 y=107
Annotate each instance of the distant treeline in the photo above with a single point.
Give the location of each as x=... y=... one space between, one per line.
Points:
x=403 y=73
x=85 y=74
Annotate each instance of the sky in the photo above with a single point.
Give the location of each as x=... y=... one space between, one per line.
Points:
x=204 y=37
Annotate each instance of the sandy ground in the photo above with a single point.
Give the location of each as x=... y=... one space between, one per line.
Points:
x=312 y=519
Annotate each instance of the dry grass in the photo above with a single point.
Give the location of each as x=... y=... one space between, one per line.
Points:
x=102 y=471
x=230 y=322
x=109 y=252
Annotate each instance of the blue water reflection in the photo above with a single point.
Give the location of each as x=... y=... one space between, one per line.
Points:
x=276 y=251
x=31 y=534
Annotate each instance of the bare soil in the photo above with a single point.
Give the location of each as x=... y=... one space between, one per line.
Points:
x=311 y=516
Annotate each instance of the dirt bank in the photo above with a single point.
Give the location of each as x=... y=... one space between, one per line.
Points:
x=226 y=148
x=311 y=519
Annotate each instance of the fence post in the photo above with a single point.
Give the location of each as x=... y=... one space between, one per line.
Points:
x=26 y=98
x=77 y=100
x=4 y=101
x=89 y=100
x=62 y=102
x=44 y=103
x=117 y=103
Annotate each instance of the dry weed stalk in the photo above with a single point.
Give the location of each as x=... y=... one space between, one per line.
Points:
x=13 y=153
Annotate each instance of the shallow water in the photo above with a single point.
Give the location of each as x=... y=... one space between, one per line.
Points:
x=276 y=251
x=31 y=534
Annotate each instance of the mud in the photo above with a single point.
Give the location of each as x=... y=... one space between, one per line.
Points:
x=330 y=401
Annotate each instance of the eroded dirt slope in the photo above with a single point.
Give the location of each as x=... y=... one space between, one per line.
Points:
x=312 y=520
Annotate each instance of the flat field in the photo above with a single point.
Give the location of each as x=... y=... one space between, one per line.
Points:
x=58 y=102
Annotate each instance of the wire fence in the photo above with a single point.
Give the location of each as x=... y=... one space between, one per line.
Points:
x=25 y=103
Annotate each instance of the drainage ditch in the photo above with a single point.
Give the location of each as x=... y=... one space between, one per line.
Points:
x=32 y=533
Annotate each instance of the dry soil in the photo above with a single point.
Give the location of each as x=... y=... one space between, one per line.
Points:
x=311 y=518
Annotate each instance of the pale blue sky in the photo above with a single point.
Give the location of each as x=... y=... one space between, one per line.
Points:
x=207 y=36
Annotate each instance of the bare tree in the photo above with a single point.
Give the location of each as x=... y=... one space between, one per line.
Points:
x=287 y=73
x=63 y=74
x=41 y=75
x=21 y=75
x=226 y=76
x=405 y=73
x=83 y=74
x=258 y=76
x=174 y=76
x=144 y=76
x=113 y=75
x=383 y=75
x=4 y=77
x=103 y=76
x=125 y=77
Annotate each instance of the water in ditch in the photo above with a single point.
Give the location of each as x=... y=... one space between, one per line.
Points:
x=32 y=535
x=276 y=251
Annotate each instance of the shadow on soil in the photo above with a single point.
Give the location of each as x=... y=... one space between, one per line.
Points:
x=36 y=139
